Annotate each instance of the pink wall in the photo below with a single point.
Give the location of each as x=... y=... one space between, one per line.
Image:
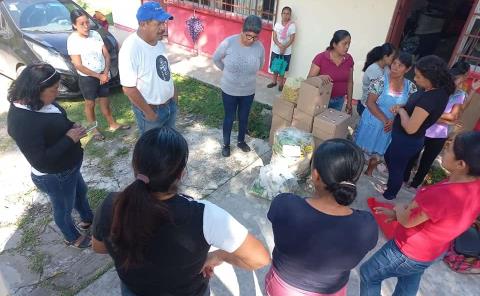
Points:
x=216 y=28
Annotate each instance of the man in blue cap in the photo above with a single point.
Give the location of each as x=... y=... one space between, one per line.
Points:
x=145 y=71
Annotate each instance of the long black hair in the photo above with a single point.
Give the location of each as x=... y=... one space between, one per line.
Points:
x=337 y=37
x=459 y=68
x=161 y=155
x=466 y=147
x=377 y=53
x=339 y=163
x=436 y=71
x=76 y=13
x=30 y=84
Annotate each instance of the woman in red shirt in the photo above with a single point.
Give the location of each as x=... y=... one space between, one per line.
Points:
x=427 y=226
x=335 y=65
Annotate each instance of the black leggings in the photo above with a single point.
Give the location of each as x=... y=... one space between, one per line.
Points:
x=432 y=148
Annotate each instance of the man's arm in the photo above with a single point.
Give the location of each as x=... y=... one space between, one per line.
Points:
x=138 y=100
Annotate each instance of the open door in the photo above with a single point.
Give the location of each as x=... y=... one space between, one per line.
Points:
x=400 y=14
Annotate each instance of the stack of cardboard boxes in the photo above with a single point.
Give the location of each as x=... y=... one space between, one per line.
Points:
x=310 y=113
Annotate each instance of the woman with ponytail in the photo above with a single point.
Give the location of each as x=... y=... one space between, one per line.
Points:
x=377 y=63
x=158 y=238
x=319 y=239
x=411 y=121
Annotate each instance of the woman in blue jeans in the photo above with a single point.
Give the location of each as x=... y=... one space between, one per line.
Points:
x=422 y=110
x=427 y=226
x=240 y=57
x=51 y=144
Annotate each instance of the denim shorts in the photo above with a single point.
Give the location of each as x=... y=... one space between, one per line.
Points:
x=91 y=88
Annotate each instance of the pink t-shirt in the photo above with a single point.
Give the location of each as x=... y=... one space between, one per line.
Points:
x=440 y=130
x=339 y=74
x=451 y=208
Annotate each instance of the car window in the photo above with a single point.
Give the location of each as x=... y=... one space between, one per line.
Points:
x=41 y=15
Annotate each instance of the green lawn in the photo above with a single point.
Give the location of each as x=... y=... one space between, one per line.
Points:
x=195 y=97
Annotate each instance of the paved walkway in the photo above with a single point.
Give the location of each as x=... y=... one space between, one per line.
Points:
x=33 y=260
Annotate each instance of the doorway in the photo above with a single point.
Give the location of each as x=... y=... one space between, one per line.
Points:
x=424 y=27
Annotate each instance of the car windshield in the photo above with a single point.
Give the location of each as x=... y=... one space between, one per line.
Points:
x=41 y=15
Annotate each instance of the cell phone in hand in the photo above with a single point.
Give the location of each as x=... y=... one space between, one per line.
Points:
x=91 y=127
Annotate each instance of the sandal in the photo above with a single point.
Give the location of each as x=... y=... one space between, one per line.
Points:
x=122 y=127
x=84 y=226
x=272 y=84
x=98 y=137
x=82 y=242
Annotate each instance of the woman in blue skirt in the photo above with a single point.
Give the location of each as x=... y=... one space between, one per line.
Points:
x=374 y=130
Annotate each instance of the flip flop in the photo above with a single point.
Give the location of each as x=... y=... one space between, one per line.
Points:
x=122 y=127
x=83 y=242
x=98 y=137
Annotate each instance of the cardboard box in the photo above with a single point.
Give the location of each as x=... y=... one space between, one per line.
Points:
x=283 y=108
x=331 y=124
x=277 y=123
x=314 y=97
x=302 y=120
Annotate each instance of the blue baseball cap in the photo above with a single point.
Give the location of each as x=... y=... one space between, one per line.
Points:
x=152 y=11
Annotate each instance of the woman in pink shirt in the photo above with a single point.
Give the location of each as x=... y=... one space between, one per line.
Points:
x=437 y=215
x=335 y=65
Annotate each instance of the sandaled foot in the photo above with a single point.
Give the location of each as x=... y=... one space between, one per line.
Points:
x=98 y=136
x=83 y=242
x=272 y=84
x=84 y=226
x=122 y=127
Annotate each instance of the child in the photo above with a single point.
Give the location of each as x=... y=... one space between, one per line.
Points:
x=437 y=215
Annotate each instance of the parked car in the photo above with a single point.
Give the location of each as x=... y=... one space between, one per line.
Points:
x=36 y=31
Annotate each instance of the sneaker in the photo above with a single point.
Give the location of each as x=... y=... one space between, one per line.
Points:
x=226 y=151
x=270 y=85
x=244 y=147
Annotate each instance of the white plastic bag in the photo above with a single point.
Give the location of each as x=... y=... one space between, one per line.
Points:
x=293 y=148
x=273 y=180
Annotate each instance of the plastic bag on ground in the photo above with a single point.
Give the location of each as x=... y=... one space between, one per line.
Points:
x=291 y=89
x=273 y=180
x=293 y=148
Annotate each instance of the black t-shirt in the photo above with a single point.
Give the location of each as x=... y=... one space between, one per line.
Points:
x=315 y=251
x=433 y=101
x=42 y=139
x=176 y=256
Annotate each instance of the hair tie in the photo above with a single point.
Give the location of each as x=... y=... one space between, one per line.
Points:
x=143 y=178
x=348 y=183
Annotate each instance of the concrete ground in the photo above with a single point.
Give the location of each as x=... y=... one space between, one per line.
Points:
x=34 y=261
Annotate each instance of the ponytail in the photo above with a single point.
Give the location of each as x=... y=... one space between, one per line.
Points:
x=136 y=216
x=377 y=53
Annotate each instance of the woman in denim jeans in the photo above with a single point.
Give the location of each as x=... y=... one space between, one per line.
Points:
x=240 y=57
x=51 y=144
x=428 y=225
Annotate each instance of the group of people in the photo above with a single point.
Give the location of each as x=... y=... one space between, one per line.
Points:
x=160 y=238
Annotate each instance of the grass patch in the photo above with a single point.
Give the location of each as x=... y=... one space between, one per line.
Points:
x=96 y=196
x=122 y=151
x=37 y=262
x=196 y=97
x=435 y=175
x=77 y=288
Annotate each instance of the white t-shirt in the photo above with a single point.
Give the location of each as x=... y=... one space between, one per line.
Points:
x=220 y=229
x=89 y=49
x=146 y=67
x=278 y=28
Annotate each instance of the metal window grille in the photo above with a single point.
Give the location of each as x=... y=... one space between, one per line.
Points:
x=266 y=9
x=468 y=46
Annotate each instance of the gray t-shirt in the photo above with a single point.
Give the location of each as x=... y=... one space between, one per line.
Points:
x=239 y=64
x=373 y=72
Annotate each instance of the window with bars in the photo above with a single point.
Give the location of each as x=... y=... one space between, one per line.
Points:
x=266 y=9
x=468 y=46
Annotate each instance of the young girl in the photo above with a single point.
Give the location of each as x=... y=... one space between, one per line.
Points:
x=319 y=239
x=158 y=238
x=437 y=215
x=377 y=63
x=283 y=38
x=92 y=61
